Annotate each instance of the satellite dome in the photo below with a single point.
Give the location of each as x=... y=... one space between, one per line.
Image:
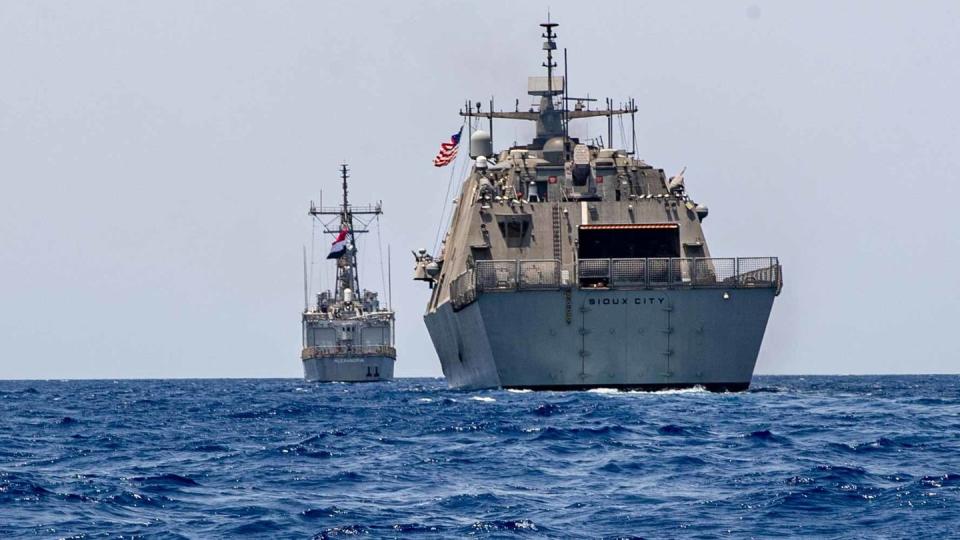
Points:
x=553 y=150
x=480 y=144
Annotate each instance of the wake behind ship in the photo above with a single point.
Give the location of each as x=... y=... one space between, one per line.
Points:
x=347 y=335
x=572 y=264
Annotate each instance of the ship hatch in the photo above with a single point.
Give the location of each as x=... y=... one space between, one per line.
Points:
x=629 y=241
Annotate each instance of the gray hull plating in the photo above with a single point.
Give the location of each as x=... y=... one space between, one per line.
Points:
x=349 y=369
x=586 y=338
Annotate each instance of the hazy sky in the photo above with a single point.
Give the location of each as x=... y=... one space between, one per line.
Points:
x=157 y=160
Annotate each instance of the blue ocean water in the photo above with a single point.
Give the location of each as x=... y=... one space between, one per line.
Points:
x=836 y=457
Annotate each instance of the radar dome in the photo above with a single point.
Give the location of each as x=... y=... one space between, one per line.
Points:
x=480 y=144
x=553 y=150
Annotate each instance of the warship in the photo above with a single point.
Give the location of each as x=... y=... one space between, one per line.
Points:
x=572 y=264
x=347 y=335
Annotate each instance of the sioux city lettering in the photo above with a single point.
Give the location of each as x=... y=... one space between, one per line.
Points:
x=638 y=300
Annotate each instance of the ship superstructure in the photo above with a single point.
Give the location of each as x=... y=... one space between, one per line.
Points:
x=571 y=264
x=347 y=334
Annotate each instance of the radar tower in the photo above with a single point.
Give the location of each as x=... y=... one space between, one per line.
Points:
x=348 y=276
x=550 y=121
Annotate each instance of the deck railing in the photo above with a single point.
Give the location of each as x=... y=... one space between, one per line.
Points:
x=742 y=272
x=649 y=273
x=359 y=350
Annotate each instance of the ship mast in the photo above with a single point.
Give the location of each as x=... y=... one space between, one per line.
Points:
x=347 y=272
x=348 y=276
x=551 y=122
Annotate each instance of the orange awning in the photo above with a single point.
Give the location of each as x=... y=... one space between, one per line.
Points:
x=628 y=226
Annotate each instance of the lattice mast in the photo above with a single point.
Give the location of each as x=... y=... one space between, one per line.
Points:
x=348 y=275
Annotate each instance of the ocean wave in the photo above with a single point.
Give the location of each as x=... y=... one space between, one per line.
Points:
x=164 y=480
x=504 y=525
x=696 y=389
x=674 y=429
x=580 y=433
x=813 y=456
x=766 y=436
x=547 y=409
x=880 y=444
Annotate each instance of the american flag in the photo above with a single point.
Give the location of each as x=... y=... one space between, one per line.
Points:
x=448 y=150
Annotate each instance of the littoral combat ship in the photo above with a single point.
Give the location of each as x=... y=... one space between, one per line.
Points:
x=570 y=264
x=347 y=335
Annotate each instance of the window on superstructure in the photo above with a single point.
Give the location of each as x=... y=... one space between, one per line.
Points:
x=514 y=231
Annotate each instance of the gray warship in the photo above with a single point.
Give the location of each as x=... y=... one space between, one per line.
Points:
x=571 y=264
x=347 y=335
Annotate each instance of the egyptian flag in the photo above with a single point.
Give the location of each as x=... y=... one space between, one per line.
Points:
x=339 y=246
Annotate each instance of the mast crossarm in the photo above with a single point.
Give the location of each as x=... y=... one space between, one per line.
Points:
x=573 y=115
x=534 y=116
x=372 y=209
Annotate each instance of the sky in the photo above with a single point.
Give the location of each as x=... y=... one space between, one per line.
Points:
x=157 y=160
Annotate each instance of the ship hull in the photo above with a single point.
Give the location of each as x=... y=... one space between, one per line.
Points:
x=349 y=368
x=599 y=338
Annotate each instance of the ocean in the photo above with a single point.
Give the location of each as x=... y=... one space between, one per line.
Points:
x=817 y=457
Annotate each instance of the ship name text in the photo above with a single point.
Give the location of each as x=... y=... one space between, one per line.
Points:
x=637 y=300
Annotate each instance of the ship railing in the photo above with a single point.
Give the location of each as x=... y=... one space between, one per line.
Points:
x=656 y=273
x=517 y=274
x=463 y=289
x=335 y=350
x=646 y=273
x=503 y=275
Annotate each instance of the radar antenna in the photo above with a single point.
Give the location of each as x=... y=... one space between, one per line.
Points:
x=549 y=45
x=550 y=121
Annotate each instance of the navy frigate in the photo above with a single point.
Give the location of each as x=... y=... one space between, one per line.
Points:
x=347 y=334
x=573 y=264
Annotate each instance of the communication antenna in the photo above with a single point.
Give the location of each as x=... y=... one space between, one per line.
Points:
x=566 y=108
x=306 y=295
x=491 y=118
x=609 y=123
x=389 y=281
x=549 y=45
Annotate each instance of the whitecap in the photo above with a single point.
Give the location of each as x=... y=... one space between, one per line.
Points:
x=484 y=399
x=697 y=389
